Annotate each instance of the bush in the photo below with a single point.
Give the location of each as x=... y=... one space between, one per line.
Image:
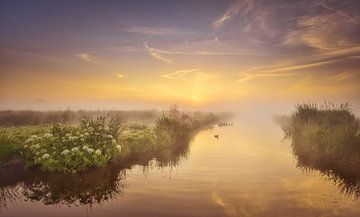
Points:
x=74 y=148
x=138 y=141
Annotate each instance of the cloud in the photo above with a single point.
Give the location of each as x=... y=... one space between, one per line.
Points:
x=154 y=53
x=160 y=52
x=249 y=19
x=292 y=68
x=239 y=7
x=159 y=31
x=329 y=31
x=42 y=56
x=250 y=76
x=120 y=76
x=175 y=74
x=86 y=57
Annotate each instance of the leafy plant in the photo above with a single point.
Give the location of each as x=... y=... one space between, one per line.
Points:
x=74 y=148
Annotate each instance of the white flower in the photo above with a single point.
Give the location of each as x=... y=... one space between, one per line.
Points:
x=85 y=147
x=37 y=146
x=34 y=136
x=109 y=136
x=113 y=141
x=73 y=138
x=86 y=134
x=98 y=152
x=29 y=140
x=90 y=150
x=48 y=135
x=65 y=152
x=118 y=147
x=75 y=149
x=45 y=156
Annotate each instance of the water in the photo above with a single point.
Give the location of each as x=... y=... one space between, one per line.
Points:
x=248 y=171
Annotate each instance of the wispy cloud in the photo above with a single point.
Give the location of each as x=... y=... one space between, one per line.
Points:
x=86 y=57
x=157 y=55
x=251 y=76
x=161 y=52
x=232 y=12
x=159 y=31
x=287 y=70
x=119 y=76
x=37 y=55
x=324 y=32
x=175 y=74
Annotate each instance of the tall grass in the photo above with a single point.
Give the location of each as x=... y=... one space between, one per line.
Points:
x=29 y=117
x=328 y=130
x=327 y=138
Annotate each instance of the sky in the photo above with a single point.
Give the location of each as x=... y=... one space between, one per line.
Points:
x=199 y=54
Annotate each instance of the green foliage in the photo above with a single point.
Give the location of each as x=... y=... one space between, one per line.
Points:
x=10 y=144
x=138 y=141
x=327 y=132
x=74 y=148
x=174 y=125
x=12 y=140
x=95 y=142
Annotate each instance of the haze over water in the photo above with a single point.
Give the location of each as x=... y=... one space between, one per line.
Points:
x=248 y=171
x=254 y=58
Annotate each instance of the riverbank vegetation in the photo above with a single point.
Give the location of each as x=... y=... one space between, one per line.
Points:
x=327 y=138
x=93 y=142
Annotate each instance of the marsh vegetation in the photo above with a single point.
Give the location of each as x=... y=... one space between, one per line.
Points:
x=85 y=162
x=327 y=138
x=93 y=142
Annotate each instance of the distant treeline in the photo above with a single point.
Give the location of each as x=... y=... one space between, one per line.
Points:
x=29 y=117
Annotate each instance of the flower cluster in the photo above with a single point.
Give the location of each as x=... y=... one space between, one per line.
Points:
x=72 y=149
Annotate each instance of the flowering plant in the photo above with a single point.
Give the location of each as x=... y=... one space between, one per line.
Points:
x=74 y=148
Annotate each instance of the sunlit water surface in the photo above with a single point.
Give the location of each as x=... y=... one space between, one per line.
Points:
x=248 y=171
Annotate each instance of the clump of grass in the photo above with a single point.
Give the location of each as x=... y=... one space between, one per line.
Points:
x=138 y=141
x=326 y=133
x=11 y=143
x=174 y=125
x=74 y=148
x=9 y=146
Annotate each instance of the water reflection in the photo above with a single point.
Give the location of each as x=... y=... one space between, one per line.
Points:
x=90 y=187
x=340 y=168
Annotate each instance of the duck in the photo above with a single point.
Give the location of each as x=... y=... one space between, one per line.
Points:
x=216 y=136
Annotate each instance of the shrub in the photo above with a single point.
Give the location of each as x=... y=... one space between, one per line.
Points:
x=138 y=141
x=74 y=148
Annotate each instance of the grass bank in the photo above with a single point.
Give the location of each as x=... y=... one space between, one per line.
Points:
x=329 y=132
x=327 y=138
x=94 y=142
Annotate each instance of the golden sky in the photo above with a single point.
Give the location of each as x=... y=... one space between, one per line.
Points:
x=108 y=54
